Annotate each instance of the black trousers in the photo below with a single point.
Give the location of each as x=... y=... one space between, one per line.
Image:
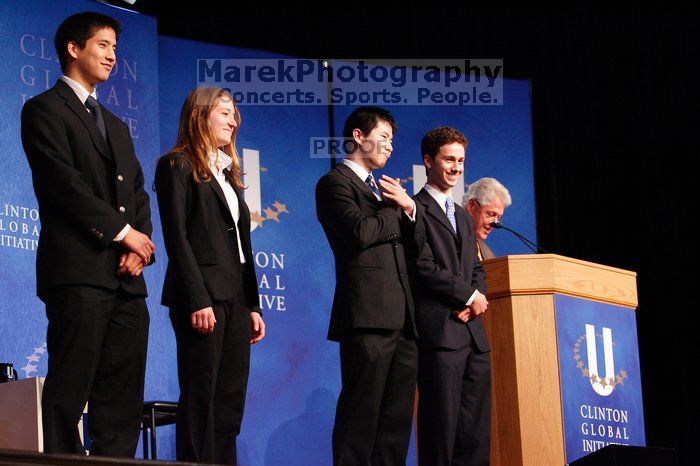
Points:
x=375 y=408
x=97 y=341
x=454 y=407
x=213 y=375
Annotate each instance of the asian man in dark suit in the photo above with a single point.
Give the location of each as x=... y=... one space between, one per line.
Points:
x=454 y=372
x=94 y=243
x=372 y=316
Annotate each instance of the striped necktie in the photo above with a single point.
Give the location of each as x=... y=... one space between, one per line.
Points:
x=450 y=211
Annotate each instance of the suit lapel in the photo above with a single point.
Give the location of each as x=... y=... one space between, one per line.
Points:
x=244 y=216
x=111 y=124
x=81 y=112
x=464 y=234
x=433 y=209
x=361 y=185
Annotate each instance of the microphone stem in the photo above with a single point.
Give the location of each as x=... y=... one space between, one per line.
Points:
x=526 y=241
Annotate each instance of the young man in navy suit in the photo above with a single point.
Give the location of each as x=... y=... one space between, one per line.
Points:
x=94 y=243
x=454 y=372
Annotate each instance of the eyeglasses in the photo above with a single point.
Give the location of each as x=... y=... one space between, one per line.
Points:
x=488 y=214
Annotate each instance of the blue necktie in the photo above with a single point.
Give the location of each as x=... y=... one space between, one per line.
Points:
x=373 y=186
x=450 y=211
x=96 y=112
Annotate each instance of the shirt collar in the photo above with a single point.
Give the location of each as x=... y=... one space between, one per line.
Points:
x=439 y=196
x=219 y=161
x=359 y=171
x=79 y=89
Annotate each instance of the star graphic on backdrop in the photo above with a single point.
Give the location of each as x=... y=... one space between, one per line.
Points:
x=593 y=378
x=39 y=350
x=263 y=169
x=271 y=215
x=33 y=358
x=28 y=368
x=281 y=208
x=619 y=380
x=577 y=357
x=257 y=218
x=579 y=364
x=623 y=373
x=585 y=372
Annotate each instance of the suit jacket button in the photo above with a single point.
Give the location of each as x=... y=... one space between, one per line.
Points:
x=460 y=274
x=100 y=235
x=120 y=177
x=401 y=274
x=122 y=209
x=396 y=246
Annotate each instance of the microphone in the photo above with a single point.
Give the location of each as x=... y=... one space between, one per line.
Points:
x=498 y=224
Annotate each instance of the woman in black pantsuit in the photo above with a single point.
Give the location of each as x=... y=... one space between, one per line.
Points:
x=210 y=284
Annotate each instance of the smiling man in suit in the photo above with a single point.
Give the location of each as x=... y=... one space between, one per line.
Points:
x=372 y=316
x=94 y=243
x=454 y=372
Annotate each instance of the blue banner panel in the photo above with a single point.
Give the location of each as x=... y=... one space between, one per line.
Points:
x=29 y=67
x=600 y=380
x=295 y=375
x=500 y=146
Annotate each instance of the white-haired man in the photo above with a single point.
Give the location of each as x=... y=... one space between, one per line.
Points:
x=485 y=201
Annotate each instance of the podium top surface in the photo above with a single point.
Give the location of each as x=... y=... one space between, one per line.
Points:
x=530 y=274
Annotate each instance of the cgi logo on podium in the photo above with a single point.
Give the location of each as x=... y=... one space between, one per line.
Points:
x=602 y=386
x=599 y=375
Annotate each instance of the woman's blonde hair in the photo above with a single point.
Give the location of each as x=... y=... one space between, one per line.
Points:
x=196 y=140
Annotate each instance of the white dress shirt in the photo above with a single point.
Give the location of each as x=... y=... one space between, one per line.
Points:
x=217 y=163
x=83 y=95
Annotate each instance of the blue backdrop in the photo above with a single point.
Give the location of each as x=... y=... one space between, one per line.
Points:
x=295 y=378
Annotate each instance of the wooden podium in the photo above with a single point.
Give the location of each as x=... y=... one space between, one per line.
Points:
x=526 y=416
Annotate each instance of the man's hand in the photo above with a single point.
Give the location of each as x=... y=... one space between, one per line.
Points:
x=203 y=320
x=463 y=315
x=479 y=304
x=137 y=242
x=130 y=264
x=257 y=327
x=395 y=195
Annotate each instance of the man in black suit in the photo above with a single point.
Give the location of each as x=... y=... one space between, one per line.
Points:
x=454 y=373
x=372 y=314
x=95 y=219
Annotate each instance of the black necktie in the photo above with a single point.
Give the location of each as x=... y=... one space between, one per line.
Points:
x=96 y=112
